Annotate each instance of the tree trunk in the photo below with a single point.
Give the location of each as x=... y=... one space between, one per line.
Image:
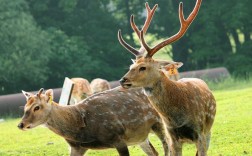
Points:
x=236 y=38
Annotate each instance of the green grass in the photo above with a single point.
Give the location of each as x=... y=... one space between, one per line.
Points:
x=231 y=133
x=41 y=141
x=230 y=84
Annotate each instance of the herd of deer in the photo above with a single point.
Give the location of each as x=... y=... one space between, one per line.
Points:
x=148 y=100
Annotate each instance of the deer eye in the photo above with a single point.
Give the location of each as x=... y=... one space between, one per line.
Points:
x=36 y=108
x=142 y=68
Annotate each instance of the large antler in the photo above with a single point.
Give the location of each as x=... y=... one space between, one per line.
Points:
x=150 y=13
x=184 y=24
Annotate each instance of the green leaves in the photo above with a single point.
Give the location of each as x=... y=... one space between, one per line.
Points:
x=68 y=58
x=207 y=43
x=22 y=58
x=44 y=41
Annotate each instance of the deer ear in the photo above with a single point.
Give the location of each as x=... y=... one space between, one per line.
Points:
x=163 y=62
x=40 y=92
x=134 y=61
x=178 y=64
x=49 y=96
x=27 y=95
x=173 y=65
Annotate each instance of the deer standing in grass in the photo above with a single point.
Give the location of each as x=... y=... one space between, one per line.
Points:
x=111 y=119
x=187 y=106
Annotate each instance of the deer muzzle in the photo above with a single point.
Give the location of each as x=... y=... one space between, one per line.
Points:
x=125 y=83
x=23 y=126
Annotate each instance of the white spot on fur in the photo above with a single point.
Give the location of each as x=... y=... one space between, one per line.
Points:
x=212 y=107
x=207 y=104
x=129 y=94
x=200 y=119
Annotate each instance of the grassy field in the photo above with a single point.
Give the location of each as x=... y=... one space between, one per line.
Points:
x=231 y=133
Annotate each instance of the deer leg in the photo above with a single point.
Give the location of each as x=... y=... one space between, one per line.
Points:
x=148 y=148
x=159 y=130
x=208 y=136
x=78 y=151
x=122 y=149
x=175 y=148
x=175 y=144
x=201 y=145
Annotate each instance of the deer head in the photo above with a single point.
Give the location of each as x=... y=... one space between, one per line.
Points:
x=37 y=109
x=145 y=71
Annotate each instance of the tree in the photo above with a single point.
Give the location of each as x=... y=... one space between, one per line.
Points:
x=24 y=48
x=214 y=38
x=92 y=21
x=51 y=39
x=68 y=58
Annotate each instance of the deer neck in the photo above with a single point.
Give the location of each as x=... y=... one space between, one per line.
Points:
x=65 y=121
x=162 y=95
x=158 y=86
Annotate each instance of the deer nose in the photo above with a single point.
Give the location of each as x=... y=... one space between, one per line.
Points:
x=123 y=80
x=21 y=125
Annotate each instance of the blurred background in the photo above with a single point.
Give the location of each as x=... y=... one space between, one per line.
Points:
x=42 y=42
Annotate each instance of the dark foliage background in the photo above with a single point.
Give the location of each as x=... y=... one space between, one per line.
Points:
x=42 y=42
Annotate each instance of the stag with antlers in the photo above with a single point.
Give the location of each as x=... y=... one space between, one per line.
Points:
x=187 y=106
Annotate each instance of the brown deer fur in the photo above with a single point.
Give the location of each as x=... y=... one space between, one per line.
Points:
x=187 y=106
x=98 y=85
x=111 y=119
x=81 y=90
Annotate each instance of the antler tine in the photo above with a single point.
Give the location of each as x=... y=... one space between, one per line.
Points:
x=144 y=44
x=126 y=45
x=184 y=24
x=150 y=13
x=134 y=27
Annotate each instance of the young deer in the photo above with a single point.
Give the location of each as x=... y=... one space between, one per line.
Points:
x=187 y=106
x=81 y=90
x=98 y=85
x=115 y=118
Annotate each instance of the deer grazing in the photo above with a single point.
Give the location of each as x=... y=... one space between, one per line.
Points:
x=81 y=90
x=187 y=106
x=98 y=85
x=115 y=118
